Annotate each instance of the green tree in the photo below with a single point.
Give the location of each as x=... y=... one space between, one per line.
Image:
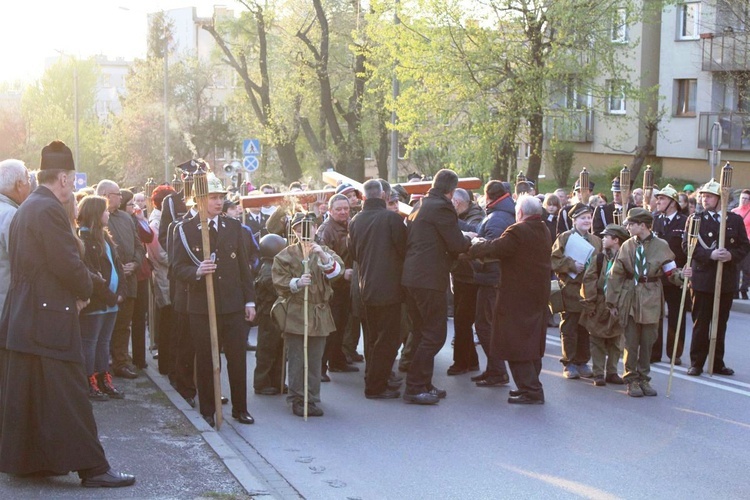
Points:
x=48 y=108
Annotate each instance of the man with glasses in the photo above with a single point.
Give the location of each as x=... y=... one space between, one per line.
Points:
x=131 y=254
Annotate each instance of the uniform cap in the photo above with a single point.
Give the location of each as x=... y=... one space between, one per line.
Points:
x=301 y=216
x=669 y=192
x=639 y=216
x=616 y=185
x=577 y=186
x=579 y=209
x=616 y=231
x=688 y=187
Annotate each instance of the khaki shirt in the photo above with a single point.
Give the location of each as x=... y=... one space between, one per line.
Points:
x=288 y=310
x=642 y=302
x=562 y=265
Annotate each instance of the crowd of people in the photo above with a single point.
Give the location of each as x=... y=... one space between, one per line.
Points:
x=83 y=273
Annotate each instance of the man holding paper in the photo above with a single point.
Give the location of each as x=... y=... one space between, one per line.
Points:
x=571 y=254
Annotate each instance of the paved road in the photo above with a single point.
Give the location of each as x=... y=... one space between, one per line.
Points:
x=585 y=442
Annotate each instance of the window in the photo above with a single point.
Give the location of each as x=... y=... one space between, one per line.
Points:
x=686 y=90
x=616 y=99
x=619 y=32
x=688 y=20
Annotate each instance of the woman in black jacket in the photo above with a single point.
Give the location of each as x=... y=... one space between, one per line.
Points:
x=98 y=318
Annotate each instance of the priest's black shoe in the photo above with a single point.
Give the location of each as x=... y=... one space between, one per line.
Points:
x=525 y=399
x=243 y=417
x=110 y=479
x=477 y=378
x=386 y=394
x=493 y=381
x=725 y=371
x=224 y=400
x=457 y=370
x=209 y=420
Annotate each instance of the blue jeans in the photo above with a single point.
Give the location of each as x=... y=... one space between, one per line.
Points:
x=96 y=332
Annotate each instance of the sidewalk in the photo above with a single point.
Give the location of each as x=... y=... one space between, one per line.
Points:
x=147 y=435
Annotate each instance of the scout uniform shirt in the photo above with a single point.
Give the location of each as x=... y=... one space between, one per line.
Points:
x=642 y=301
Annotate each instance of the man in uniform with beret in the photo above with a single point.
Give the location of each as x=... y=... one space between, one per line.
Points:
x=576 y=351
x=706 y=257
x=634 y=295
x=47 y=425
x=669 y=225
x=234 y=294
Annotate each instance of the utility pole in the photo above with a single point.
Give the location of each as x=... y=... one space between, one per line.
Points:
x=166 y=99
x=394 y=133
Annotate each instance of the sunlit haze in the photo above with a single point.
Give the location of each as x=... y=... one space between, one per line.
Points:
x=34 y=31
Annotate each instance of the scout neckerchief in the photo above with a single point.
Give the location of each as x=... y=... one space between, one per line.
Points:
x=639 y=266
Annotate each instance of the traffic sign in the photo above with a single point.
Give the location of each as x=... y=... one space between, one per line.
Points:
x=250 y=163
x=251 y=147
x=81 y=180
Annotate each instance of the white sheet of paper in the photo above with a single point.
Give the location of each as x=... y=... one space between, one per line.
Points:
x=578 y=249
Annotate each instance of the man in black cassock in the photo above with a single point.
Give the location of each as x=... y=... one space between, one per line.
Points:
x=47 y=425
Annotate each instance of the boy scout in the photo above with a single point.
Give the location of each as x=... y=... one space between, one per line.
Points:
x=634 y=295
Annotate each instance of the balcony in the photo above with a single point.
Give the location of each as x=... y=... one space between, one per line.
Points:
x=572 y=125
x=735 y=130
x=726 y=52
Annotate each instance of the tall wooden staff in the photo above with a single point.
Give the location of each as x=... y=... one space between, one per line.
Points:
x=648 y=186
x=692 y=238
x=624 y=195
x=200 y=186
x=148 y=190
x=726 y=186
x=306 y=240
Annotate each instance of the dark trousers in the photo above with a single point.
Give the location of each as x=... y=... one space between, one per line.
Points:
x=269 y=355
x=383 y=339
x=672 y=297
x=464 y=312
x=184 y=357
x=485 y=309
x=167 y=351
x=120 y=341
x=526 y=376
x=232 y=329
x=743 y=278
x=429 y=314
x=702 y=311
x=140 y=310
x=575 y=340
x=340 y=303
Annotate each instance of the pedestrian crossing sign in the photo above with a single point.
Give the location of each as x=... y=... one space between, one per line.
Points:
x=251 y=147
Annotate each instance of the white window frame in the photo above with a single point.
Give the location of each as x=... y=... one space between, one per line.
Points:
x=619 y=30
x=616 y=91
x=685 y=93
x=688 y=19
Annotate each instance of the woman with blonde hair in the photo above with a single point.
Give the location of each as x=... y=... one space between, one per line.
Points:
x=98 y=318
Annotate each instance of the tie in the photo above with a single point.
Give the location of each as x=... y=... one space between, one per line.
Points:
x=212 y=234
x=716 y=217
x=639 y=267
x=607 y=273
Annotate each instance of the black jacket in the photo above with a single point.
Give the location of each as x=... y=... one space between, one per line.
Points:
x=377 y=242
x=433 y=241
x=672 y=232
x=233 y=280
x=704 y=268
x=47 y=276
x=604 y=216
x=96 y=261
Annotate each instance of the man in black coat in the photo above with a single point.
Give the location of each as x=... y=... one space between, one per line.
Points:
x=47 y=426
x=520 y=325
x=234 y=295
x=433 y=241
x=669 y=225
x=705 y=263
x=377 y=242
x=605 y=215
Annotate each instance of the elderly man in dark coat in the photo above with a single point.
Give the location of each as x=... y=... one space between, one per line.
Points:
x=47 y=426
x=520 y=323
x=377 y=242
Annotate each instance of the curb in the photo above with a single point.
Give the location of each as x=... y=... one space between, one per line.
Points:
x=234 y=462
